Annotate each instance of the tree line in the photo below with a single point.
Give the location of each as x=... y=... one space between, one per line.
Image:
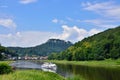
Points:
x=5 y=53
x=100 y=46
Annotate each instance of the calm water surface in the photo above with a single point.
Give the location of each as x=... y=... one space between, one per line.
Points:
x=88 y=73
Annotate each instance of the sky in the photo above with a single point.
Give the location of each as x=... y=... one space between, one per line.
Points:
x=27 y=23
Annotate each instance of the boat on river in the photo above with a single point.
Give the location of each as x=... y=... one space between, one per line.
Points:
x=50 y=66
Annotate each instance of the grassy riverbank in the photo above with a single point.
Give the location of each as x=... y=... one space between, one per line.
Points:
x=35 y=75
x=31 y=75
x=6 y=62
x=105 y=63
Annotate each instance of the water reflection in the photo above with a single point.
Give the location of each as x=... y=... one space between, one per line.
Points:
x=89 y=73
x=25 y=64
x=33 y=65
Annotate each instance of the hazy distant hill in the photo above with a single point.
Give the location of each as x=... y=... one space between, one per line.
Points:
x=100 y=46
x=52 y=45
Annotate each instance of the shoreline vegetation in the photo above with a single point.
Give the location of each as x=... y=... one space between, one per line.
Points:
x=108 y=63
x=31 y=75
x=35 y=75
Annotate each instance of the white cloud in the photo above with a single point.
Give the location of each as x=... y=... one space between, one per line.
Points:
x=33 y=38
x=97 y=6
x=107 y=9
x=75 y=34
x=55 y=20
x=93 y=31
x=25 y=39
x=27 y=1
x=8 y=23
x=102 y=23
x=59 y=21
x=109 y=12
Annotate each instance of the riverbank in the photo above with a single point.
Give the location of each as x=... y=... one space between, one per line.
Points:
x=41 y=75
x=108 y=63
x=6 y=62
x=31 y=75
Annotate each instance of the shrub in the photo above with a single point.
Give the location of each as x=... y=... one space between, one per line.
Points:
x=5 y=68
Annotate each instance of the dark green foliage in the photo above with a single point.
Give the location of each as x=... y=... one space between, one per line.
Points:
x=100 y=46
x=53 y=56
x=4 y=52
x=5 y=68
x=51 y=46
x=1 y=57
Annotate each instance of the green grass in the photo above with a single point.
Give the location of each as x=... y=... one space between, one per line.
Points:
x=35 y=75
x=6 y=62
x=104 y=63
x=31 y=75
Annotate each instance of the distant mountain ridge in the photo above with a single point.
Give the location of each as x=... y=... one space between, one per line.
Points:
x=103 y=45
x=52 y=45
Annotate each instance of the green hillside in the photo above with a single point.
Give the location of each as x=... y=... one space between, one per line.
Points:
x=100 y=46
x=52 y=45
x=5 y=53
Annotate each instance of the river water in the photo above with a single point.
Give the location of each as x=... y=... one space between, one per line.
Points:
x=88 y=73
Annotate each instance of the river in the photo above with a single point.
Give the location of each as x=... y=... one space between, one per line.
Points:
x=88 y=73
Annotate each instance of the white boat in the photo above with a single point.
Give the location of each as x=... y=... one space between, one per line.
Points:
x=49 y=70
x=49 y=67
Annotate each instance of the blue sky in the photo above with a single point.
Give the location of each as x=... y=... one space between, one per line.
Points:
x=28 y=23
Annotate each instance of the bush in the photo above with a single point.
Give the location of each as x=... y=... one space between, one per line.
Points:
x=100 y=58
x=5 y=68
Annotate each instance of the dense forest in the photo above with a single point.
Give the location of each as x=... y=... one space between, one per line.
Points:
x=5 y=53
x=100 y=46
x=52 y=45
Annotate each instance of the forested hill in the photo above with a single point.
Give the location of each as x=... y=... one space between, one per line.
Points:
x=52 y=45
x=100 y=46
x=5 y=53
